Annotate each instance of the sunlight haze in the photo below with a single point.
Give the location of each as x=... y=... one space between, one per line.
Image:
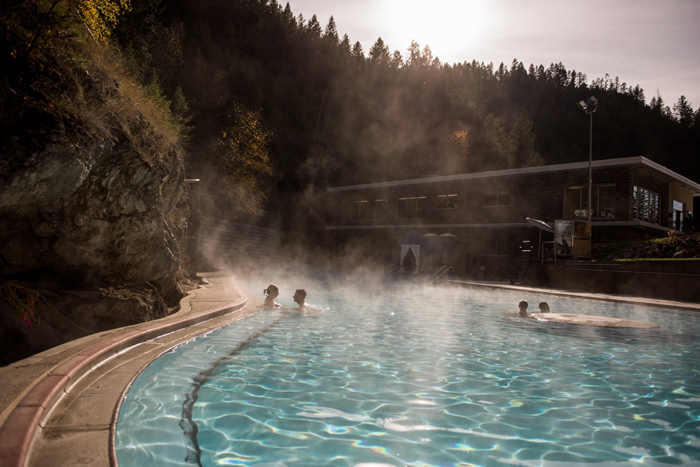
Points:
x=449 y=27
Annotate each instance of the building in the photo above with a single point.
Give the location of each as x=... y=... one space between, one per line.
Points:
x=476 y=222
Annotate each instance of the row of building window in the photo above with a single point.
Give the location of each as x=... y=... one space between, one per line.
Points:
x=602 y=200
x=416 y=207
x=645 y=204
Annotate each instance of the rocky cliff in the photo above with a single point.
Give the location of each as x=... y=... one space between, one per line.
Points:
x=92 y=201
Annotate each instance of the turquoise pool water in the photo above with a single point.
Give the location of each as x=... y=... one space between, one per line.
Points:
x=399 y=376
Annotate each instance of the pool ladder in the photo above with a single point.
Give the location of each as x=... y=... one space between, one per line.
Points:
x=441 y=272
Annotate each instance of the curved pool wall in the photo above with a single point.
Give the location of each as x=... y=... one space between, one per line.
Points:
x=396 y=376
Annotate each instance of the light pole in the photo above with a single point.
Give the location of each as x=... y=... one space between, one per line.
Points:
x=589 y=106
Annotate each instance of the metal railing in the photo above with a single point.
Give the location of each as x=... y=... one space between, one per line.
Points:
x=682 y=221
x=441 y=272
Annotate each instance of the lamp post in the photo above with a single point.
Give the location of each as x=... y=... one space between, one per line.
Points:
x=589 y=106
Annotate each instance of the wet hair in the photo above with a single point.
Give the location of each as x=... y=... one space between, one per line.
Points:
x=544 y=306
x=301 y=292
x=271 y=288
x=522 y=304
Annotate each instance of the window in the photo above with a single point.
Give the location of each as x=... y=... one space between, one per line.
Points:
x=411 y=208
x=494 y=246
x=369 y=209
x=497 y=199
x=605 y=205
x=380 y=209
x=446 y=201
x=602 y=199
x=645 y=205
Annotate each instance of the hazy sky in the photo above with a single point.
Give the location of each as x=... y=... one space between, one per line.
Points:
x=653 y=43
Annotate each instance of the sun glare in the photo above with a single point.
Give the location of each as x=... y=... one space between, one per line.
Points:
x=450 y=27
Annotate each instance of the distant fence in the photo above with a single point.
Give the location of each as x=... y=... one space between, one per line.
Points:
x=222 y=208
x=221 y=235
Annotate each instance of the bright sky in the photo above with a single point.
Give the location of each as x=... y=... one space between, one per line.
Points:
x=653 y=43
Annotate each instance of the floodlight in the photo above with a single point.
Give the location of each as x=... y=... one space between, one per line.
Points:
x=589 y=106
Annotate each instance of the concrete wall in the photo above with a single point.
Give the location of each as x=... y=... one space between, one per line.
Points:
x=671 y=280
x=223 y=243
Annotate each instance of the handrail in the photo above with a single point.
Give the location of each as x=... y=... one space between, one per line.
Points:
x=441 y=272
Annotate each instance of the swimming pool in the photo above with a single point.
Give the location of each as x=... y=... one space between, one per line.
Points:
x=404 y=376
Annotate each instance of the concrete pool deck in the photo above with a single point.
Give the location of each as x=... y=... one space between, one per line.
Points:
x=60 y=407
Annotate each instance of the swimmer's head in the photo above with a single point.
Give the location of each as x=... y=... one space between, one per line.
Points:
x=299 y=296
x=544 y=307
x=522 y=305
x=272 y=291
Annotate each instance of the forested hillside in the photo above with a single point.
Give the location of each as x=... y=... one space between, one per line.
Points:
x=282 y=105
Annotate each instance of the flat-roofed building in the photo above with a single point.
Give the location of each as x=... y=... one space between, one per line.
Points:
x=484 y=213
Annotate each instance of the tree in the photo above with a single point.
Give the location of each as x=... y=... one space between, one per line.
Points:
x=100 y=16
x=396 y=60
x=379 y=53
x=245 y=157
x=683 y=111
x=458 y=145
x=414 y=57
x=657 y=105
x=181 y=114
x=331 y=32
x=496 y=156
x=521 y=144
x=357 y=58
x=314 y=27
x=288 y=15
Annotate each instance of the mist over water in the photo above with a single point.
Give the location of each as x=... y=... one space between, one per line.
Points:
x=396 y=373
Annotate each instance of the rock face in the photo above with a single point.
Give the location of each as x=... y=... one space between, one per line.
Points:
x=97 y=212
x=93 y=215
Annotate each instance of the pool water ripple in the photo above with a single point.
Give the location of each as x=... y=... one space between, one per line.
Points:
x=432 y=377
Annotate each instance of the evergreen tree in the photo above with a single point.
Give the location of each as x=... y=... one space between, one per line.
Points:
x=379 y=53
x=683 y=111
x=521 y=144
x=288 y=15
x=331 y=33
x=314 y=27
x=396 y=60
x=357 y=58
x=414 y=58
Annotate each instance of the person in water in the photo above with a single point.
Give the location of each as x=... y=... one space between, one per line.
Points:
x=522 y=309
x=299 y=298
x=544 y=307
x=271 y=293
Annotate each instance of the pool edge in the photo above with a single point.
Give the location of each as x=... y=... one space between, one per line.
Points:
x=28 y=414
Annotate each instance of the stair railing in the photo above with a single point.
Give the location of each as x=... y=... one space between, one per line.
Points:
x=441 y=272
